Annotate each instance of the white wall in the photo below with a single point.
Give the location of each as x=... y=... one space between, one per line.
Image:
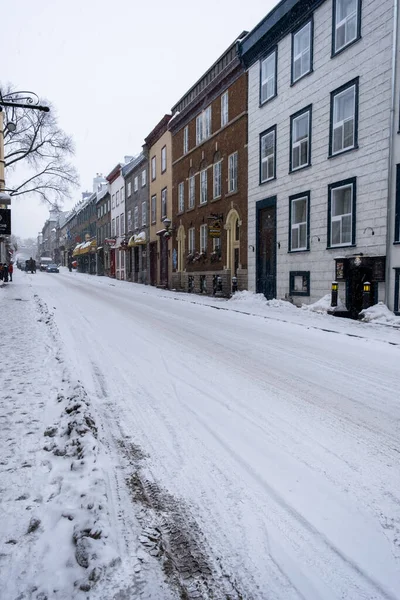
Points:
x=370 y=60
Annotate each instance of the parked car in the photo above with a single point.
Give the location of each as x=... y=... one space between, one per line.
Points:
x=52 y=269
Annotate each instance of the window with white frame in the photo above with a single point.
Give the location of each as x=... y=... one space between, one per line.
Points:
x=153 y=209
x=136 y=217
x=117 y=198
x=163 y=159
x=153 y=168
x=343 y=134
x=113 y=201
x=203 y=238
x=122 y=194
x=163 y=203
x=143 y=177
x=232 y=172
x=203 y=125
x=129 y=220
x=186 y=140
x=113 y=228
x=298 y=214
x=268 y=77
x=341 y=208
x=217 y=245
x=217 y=169
x=181 y=197
x=129 y=189
x=267 y=155
x=224 y=108
x=122 y=224
x=346 y=23
x=135 y=184
x=192 y=191
x=301 y=52
x=300 y=139
x=191 y=240
x=144 y=215
x=117 y=226
x=203 y=186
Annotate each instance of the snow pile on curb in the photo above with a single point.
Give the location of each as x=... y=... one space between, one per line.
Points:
x=322 y=305
x=258 y=300
x=379 y=313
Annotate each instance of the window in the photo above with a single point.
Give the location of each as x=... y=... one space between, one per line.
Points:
x=232 y=172
x=203 y=125
x=300 y=139
x=341 y=213
x=113 y=228
x=129 y=220
x=217 y=179
x=217 y=245
x=144 y=215
x=153 y=168
x=136 y=217
x=224 y=109
x=346 y=23
x=117 y=226
x=186 y=140
x=299 y=283
x=135 y=184
x=343 y=134
x=117 y=198
x=163 y=159
x=153 y=209
x=98 y=213
x=397 y=292
x=397 y=208
x=129 y=189
x=268 y=77
x=203 y=238
x=302 y=52
x=122 y=224
x=191 y=240
x=181 y=197
x=163 y=203
x=299 y=216
x=268 y=155
x=203 y=186
x=192 y=191
x=143 y=177
x=108 y=205
x=113 y=201
x=122 y=194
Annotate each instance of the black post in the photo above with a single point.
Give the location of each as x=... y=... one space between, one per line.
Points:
x=366 y=294
x=334 y=293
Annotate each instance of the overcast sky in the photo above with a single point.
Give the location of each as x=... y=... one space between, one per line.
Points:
x=112 y=70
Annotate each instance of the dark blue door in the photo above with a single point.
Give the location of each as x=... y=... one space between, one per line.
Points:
x=266 y=248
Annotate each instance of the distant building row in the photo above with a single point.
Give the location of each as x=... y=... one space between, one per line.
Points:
x=278 y=171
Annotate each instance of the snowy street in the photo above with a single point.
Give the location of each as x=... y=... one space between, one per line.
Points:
x=218 y=449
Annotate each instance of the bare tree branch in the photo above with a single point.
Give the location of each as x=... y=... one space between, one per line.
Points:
x=41 y=147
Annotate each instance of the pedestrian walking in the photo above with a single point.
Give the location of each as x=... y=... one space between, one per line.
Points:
x=5 y=273
x=10 y=270
x=1 y=271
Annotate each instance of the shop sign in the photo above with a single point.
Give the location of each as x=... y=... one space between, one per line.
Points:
x=5 y=221
x=214 y=229
x=378 y=268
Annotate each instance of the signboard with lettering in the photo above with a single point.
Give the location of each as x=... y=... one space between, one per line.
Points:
x=5 y=221
x=214 y=229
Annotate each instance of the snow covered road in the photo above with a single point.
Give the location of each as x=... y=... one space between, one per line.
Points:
x=273 y=445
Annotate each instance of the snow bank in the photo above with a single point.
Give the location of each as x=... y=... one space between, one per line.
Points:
x=323 y=305
x=379 y=313
x=250 y=299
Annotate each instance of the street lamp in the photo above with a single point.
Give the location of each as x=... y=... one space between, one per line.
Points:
x=167 y=224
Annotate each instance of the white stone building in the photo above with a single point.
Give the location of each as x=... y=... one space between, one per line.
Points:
x=322 y=150
x=118 y=225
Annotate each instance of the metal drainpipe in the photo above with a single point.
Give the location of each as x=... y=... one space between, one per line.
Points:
x=389 y=233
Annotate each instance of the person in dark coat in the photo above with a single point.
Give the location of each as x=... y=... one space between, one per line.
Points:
x=5 y=273
x=10 y=270
x=1 y=271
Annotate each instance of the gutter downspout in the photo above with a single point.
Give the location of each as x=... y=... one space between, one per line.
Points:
x=389 y=232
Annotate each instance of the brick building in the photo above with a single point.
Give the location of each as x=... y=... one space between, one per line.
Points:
x=103 y=205
x=209 y=189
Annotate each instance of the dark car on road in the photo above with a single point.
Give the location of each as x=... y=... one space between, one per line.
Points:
x=52 y=269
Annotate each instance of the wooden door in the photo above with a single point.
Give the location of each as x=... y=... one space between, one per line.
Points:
x=266 y=249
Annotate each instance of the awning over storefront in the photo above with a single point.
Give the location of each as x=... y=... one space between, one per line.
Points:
x=84 y=248
x=137 y=240
x=77 y=250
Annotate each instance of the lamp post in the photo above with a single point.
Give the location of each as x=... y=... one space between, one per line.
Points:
x=164 y=250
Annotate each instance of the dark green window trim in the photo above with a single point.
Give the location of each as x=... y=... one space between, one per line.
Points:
x=335 y=52
x=304 y=274
x=296 y=197
x=332 y=186
x=353 y=82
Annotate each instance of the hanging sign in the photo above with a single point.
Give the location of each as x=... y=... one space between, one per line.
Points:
x=215 y=228
x=5 y=221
